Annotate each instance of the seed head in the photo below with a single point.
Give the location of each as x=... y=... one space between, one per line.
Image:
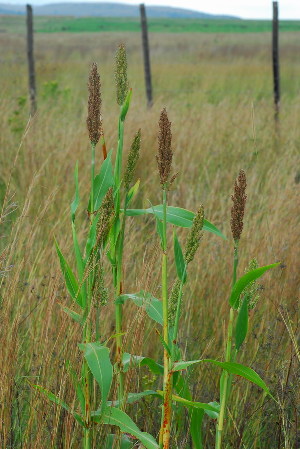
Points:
x=165 y=154
x=105 y=218
x=173 y=302
x=195 y=235
x=100 y=292
x=94 y=121
x=121 y=74
x=133 y=157
x=252 y=290
x=239 y=198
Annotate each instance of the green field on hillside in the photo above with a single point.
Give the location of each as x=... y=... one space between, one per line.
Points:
x=51 y=24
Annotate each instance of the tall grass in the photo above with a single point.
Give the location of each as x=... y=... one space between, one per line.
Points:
x=44 y=340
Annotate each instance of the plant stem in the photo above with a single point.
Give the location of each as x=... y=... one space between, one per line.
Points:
x=119 y=239
x=167 y=387
x=177 y=316
x=226 y=379
x=87 y=328
x=87 y=439
x=92 y=180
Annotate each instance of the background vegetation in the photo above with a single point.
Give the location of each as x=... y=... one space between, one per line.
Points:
x=54 y=24
x=218 y=90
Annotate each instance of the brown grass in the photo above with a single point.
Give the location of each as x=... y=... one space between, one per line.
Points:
x=219 y=96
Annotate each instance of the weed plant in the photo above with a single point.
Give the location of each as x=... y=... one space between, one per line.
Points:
x=105 y=362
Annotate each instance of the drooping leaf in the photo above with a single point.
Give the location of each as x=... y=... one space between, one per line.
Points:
x=70 y=280
x=241 y=324
x=130 y=399
x=245 y=280
x=116 y=417
x=74 y=315
x=187 y=403
x=176 y=216
x=75 y=202
x=131 y=361
x=232 y=367
x=153 y=306
x=179 y=259
x=98 y=360
x=52 y=397
x=103 y=181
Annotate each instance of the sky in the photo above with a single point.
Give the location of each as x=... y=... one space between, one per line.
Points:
x=248 y=9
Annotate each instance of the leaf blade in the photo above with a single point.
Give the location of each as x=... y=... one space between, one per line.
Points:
x=245 y=280
x=98 y=360
x=116 y=417
x=176 y=216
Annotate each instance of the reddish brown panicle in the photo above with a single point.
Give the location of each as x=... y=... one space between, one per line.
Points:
x=165 y=154
x=239 y=198
x=94 y=121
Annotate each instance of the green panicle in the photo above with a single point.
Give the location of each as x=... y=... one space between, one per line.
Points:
x=105 y=219
x=194 y=237
x=121 y=74
x=132 y=160
x=173 y=301
x=100 y=292
x=252 y=290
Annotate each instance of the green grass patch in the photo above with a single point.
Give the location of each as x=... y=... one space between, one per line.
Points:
x=47 y=24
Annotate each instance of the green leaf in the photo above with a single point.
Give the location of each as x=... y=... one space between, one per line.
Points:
x=213 y=415
x=176 y=216
x=245 y=280
x=241 y=324
x=132 y=361
x=125 y=106
x=132 y=192
x=232 y=367
x=97 y=357
x=153 y=306
x=103 y=181
x=70 y=280
x=111 y=442
x=52 y=397
x=186 y=403
x=131 y=399
x=75 y=202
x=74 y=315
x=116 y=417
x=179 y=259
x=196 y=419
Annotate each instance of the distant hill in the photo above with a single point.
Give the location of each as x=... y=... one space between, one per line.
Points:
x=107 y=10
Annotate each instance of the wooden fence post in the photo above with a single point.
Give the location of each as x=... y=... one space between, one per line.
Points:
x=275 y=53
x=146 y=53
x=30 y=57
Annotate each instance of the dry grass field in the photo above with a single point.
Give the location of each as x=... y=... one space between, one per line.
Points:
x=218 y=92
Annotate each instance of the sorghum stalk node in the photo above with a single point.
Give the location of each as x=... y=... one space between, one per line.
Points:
x=94 y=120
